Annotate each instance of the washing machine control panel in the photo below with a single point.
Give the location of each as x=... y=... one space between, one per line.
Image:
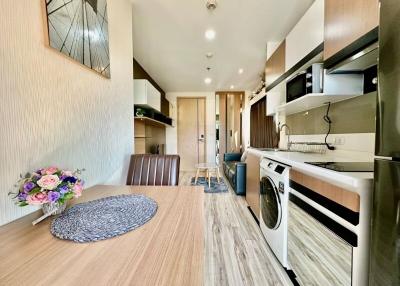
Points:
x=276 y=167
x=282 y=187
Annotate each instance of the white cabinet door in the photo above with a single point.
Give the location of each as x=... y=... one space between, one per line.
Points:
x=146 y=94
x=153 y=97
x=275 y=98
x=306 y=35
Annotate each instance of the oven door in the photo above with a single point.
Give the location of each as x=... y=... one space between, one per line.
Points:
x=316 y=254
x=296 y=87
x=271 y=207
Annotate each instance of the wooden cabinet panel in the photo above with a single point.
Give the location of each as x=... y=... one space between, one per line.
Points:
x=253 y=183
x=275 y=65
x=346 y=21
x=140 y=128
x=341 y=196
x=140 y=146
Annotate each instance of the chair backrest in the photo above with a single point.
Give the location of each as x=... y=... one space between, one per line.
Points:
x=153 y=170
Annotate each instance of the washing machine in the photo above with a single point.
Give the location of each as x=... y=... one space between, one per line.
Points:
x=274 y=197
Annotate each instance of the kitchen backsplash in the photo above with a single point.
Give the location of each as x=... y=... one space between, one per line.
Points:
x=355 y=115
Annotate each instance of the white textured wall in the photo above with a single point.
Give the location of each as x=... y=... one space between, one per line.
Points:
x=172 y=132
x=54 y=111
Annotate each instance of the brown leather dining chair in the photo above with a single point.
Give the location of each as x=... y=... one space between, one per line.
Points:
x=153 y=170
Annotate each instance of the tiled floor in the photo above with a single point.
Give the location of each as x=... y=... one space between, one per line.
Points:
x=235 y=251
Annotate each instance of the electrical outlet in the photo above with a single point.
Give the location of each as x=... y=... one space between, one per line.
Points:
x=339 y=141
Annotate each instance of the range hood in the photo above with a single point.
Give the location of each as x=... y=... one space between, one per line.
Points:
x=358 y=62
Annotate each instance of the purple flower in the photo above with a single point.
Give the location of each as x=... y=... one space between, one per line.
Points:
x=63 y=189
x=53 y=196
x=22 y=196
x=71 y=180
x=28 y=186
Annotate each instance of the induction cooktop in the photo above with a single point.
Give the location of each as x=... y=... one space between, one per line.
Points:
x=345 y=166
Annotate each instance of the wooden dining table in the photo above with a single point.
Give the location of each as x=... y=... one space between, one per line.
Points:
x=167 y=250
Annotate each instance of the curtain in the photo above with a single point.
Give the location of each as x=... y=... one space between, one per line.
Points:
x=262 y=128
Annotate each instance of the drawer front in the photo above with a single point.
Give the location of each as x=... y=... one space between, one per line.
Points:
x=316 y=254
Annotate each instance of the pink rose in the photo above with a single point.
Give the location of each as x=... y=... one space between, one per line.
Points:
x=68 y=173
x=49 y=182
x=49 y=170
x=37 y=199
x=78 y=188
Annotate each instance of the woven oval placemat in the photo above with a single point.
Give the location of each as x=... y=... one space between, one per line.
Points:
x=104 y=218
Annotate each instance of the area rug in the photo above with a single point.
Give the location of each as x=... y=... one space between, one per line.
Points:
x=216 y=187
x=104 y=218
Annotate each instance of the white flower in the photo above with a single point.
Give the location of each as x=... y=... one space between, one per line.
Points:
x=49 y=182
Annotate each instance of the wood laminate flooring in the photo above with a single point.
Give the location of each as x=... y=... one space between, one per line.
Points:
x=235 y=250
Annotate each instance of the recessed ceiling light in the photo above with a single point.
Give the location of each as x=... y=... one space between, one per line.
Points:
x=241 y=71
x=207 y=80
x=209 y=55
x=210 y=34
x=232 y=86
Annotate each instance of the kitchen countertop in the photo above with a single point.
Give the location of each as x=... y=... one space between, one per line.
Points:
x=352 y=181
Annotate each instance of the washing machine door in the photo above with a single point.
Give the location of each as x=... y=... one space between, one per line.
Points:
x=271 y=207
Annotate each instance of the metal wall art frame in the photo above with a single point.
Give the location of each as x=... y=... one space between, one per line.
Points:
x=79 y=29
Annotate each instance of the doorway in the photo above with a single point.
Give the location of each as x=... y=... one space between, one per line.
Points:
x=191 y=123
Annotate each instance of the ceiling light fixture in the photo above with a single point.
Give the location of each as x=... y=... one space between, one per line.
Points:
x=211 y=4
x=210 y=34
x=240 y=71
x=207 y=80
x=209 y=55
x=232 y=86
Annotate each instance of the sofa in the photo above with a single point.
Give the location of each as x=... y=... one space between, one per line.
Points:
x=235 y=172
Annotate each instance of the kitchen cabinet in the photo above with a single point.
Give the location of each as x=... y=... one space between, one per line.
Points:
x=316 y=255
x=346 y=21
x=275 y=98
x=275 y=65
x=307 y=35
x=253 y=183
x=146 y=94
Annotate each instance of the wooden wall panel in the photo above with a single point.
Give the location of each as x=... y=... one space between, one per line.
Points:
x=230 y=119
x=346 y=21
x=222 y=125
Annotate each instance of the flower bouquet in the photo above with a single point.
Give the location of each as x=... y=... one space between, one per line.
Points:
x=49 y=187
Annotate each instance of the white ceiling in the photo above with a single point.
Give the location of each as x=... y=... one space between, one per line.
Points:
x=169 y=42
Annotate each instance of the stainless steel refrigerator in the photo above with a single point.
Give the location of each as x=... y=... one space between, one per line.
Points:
x=385 y=239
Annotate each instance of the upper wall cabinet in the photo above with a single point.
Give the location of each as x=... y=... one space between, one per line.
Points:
x=146 y=94
x=347 y=21
x=306 y=35
x=275 y=65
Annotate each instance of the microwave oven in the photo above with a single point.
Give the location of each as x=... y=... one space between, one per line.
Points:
x=305 y=82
